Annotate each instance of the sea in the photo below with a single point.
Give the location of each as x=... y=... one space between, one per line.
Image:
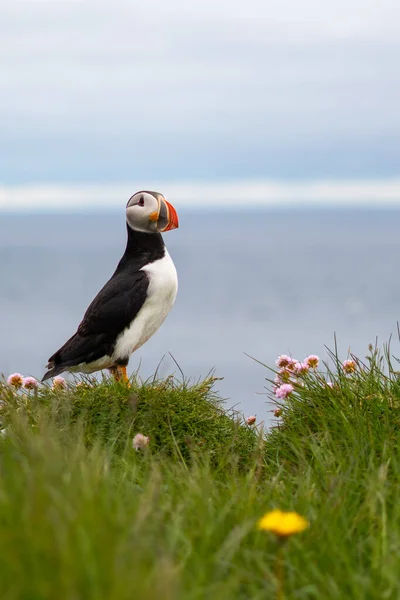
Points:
x=253 y=284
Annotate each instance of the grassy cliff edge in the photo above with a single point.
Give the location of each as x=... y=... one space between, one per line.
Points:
x=85 y=515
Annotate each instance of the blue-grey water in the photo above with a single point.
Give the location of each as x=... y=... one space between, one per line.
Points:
x=255 y=282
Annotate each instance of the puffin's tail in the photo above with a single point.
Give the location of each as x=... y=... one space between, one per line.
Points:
x=53 y=372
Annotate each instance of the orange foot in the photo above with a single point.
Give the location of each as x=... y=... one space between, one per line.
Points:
x=119 y=374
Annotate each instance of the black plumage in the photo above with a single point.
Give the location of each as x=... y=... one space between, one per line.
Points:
x=114 y=307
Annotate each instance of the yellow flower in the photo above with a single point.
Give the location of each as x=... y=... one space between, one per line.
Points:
x=282 y=523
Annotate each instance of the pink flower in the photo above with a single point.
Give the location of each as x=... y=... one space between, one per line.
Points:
x=283 y=361
x=301 y=368
x=349 y=366
x=140 y=441
x=285 y=375
x=30 y=383
x=59 y=383
x=16 y=380
x=251 y=420
x=284 y=390
x=312 y=361
x=291 y=365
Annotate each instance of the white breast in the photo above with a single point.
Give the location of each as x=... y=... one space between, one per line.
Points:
x=161 y=294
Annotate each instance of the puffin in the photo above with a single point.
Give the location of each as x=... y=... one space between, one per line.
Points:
x=134 y=302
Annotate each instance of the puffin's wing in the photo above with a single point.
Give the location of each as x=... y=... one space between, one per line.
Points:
x=112 y=310
x=116 y=305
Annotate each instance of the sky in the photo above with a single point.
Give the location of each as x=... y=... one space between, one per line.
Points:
x=277 y=93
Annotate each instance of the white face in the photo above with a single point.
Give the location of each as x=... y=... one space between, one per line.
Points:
x=142 y=212
x=150 y=212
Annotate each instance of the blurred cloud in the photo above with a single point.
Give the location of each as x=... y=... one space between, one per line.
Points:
x=112 y=91
x=203 y=195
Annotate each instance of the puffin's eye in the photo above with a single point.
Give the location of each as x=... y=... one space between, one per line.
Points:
x=141 y=201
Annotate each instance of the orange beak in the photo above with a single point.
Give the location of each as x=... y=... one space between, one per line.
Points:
x=168 y=219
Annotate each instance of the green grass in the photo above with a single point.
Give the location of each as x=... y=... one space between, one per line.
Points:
x=85 y=516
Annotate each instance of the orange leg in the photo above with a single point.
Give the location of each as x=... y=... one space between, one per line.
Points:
x=119 y=373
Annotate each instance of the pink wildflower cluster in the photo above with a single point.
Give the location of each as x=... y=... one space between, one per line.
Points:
x=30 y=383
x=349 y=366
x=18 y=381
x=301 y=368
x=284 y=390
x=312 y=361
x=140 y=441
x=290 y=370
x=59 y=383
x=285 y=362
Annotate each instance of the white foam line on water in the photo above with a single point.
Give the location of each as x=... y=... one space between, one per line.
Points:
x=241 y=193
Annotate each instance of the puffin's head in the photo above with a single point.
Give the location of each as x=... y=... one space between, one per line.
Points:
x=149 y=212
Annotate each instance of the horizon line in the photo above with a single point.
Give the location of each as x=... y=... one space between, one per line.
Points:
x=206 y=194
